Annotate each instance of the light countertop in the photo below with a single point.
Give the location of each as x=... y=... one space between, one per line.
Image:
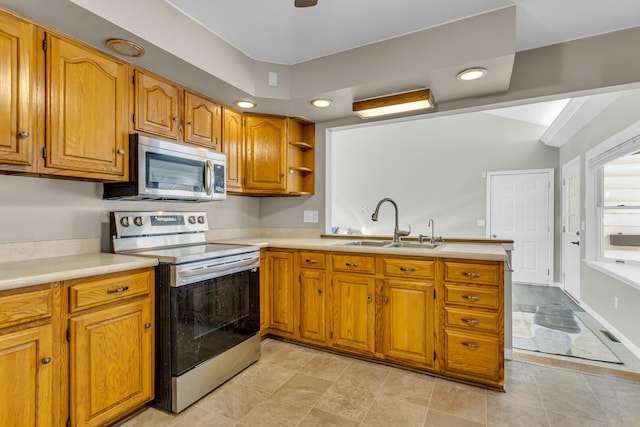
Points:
x=18 y=274
x=479 y=251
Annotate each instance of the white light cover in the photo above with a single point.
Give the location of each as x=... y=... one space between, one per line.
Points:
x=321 y=102
x=395 y=109
x=243 y=103
x=472 y=74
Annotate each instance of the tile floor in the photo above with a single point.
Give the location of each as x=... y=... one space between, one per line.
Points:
x=293 y=385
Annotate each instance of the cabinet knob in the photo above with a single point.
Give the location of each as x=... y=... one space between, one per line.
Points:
x=147 y=325
x=121 y=151
x=46 y=360
x=386 y=300
x=174 y=118
x=319 y=291
x=189 y=122
x=24 y=134
x=369 y=299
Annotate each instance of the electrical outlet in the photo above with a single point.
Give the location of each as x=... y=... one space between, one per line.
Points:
x=364 y=209
x=311 y=216
x=480 y=223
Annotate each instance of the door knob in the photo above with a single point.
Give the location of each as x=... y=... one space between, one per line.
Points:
x=576 y=243
x=494 y=235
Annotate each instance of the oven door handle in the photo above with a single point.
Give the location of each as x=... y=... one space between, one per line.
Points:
x=217 y=268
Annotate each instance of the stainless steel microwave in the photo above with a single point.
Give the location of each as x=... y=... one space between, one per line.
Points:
x=168 y=170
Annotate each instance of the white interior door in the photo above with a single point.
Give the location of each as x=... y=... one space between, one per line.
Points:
x=571 y=228
x=521 y=209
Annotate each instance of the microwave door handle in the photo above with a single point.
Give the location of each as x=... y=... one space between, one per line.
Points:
x=208 y=176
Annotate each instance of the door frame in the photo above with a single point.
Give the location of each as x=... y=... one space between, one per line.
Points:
x=551 y=195
x=571 y=162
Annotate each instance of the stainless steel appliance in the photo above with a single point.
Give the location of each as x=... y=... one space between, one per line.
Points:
x=207 y=302
x=168 y=170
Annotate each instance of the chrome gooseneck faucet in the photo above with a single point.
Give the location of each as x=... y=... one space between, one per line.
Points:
x=397 y=233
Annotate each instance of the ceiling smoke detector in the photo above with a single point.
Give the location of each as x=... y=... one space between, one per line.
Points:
x=305 y=3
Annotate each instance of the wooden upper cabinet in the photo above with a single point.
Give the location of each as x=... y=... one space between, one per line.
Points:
x=232 y=146
x=86 y=121
x=157 y=106
x=203 y=121
x=301 y=156
x=17 y=85
x=266 y=154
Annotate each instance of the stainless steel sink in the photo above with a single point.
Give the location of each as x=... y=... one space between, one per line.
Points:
x=390 y=244
x=377 y=243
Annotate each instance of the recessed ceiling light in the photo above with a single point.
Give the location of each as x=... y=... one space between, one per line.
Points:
x=245 y=103
x=321 y=102
x=472 y=74
x=125 y=48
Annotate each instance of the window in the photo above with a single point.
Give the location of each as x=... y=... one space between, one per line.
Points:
x=615 y=174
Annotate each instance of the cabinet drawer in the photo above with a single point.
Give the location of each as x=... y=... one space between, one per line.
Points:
x=472 y=296
x=87 y=294
x=406 y=267
x=472 y=354
x=25 y=307
x=353 y=263
x=471 y=319
x=312 y=259
x=487 y=274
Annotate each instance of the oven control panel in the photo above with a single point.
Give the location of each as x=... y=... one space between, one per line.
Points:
x=137 y=223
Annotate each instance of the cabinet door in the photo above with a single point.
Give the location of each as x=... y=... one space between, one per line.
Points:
x=353 y=312
x=87 y=133
x=280 y=279
x=203 y=121
x=111 y=362
x=232 y=146
x=157 y=106
x=265 y=161
x=312 y=306
x=408 y=317
x=26 y=369
x=17 y=79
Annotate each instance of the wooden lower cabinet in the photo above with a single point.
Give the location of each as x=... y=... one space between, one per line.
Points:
x=111 y=362
x=27 y=377
x=407 y=310
x=312 y=306
x=352 y=298
x=408 y=316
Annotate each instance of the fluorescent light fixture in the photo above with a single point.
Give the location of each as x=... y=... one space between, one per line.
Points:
x=245 y=103
x=125 y=48
x=321 y=102
x=394 y=104
x=472 y=74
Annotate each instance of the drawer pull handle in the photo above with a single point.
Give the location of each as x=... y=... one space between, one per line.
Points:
x=470 y=344
x=348 y=264
x=471 y=297
x=118 y=290
x=407 y=270
x=147 y=325
x=464 y=273
x=46 y=360
x=311 y=261
x=471 y=322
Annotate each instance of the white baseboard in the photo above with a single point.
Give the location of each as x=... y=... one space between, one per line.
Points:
x=624 y=340
x=508 y=354
x=557 y=285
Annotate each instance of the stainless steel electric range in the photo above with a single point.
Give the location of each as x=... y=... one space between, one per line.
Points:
x=207 y=302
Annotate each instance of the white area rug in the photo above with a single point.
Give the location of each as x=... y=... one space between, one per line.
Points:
x=575 y=341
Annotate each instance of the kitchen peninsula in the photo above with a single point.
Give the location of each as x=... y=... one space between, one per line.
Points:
x=438 y=310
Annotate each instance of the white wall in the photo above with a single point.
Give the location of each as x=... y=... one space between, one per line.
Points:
x=432 y=168
x=37 y=209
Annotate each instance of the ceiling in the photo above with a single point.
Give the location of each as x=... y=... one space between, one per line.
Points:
x=344 y=50
x=276 y=31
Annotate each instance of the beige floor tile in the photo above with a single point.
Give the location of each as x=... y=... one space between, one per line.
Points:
x=233 y=400
x=565 y=420
x=318 y=418
x=275 y=411
x=518 y=371
x=291 y=357
x=517 y=392
x=441 y=419
x=198 y=417
x=619 y=399
x=346 y=401
x=326 y=367
x=150 y=418
x=502 y=413
x=461 y=402
x=365 y=375
x=303 y=388
x=264 y=376
x=408 y=386
x=388 y=411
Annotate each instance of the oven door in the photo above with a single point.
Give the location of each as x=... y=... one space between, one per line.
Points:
x=212 y=316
